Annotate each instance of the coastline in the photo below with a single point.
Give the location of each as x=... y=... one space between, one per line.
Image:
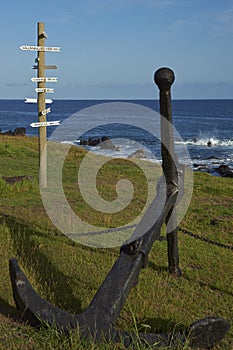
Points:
x=215 y=168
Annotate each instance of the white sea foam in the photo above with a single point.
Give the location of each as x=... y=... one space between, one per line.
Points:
x=207 y=141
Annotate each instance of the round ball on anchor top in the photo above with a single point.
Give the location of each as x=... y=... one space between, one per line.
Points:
x=164 y=78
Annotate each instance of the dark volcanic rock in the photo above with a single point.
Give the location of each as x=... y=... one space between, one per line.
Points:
x=103 y=142
x=13 y=179
x=8 y=133
x=16 y=132
x=201 y=167
x=106 y=143
x=19 y=132
x=225 y=171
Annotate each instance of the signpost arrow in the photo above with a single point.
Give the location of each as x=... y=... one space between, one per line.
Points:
x=39 y=124
x=46 y=111
x=34 y=100
x=39 y=48
x=45 y=35
x=45 y=67
x=44 y=90
x=41 y=79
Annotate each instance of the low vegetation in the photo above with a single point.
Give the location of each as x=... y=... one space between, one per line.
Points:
x=68 y=274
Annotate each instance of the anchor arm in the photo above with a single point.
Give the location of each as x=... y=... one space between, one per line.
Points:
x=34 y=309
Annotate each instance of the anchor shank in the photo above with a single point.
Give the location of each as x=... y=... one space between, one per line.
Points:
x=164 y=78
x=113 y=292
x=124 y=274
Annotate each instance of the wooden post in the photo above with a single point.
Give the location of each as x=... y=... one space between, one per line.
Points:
x=41 y=100
x=41 y=107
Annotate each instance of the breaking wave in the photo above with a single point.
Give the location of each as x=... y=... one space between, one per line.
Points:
x=207 y=141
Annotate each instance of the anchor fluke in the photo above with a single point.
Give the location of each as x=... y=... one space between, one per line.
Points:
x=207 y=332
x=34 y=308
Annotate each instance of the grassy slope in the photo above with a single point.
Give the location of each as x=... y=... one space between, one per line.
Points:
x=69 y=280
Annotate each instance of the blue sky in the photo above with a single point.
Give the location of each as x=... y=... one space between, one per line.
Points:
x=111 y=48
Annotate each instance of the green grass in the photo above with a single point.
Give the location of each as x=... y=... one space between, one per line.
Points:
x=68 y=274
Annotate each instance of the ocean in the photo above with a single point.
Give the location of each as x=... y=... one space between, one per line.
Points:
x=203 y=127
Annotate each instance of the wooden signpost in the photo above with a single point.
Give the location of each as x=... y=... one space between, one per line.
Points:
x=41 y=93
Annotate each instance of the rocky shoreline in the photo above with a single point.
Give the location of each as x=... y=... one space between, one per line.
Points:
x=103 y=142
x=222 y=170
x=16 y=132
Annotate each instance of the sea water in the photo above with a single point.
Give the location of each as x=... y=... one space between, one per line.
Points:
x=205 y=127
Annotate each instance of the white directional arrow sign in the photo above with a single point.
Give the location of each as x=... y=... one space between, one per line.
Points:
x=44 y=90
x=46 y=111
x=45 y=67
x=39 y=48
x=47 y=80
x=45 y=35
x=34 y=100
x=39 y=124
